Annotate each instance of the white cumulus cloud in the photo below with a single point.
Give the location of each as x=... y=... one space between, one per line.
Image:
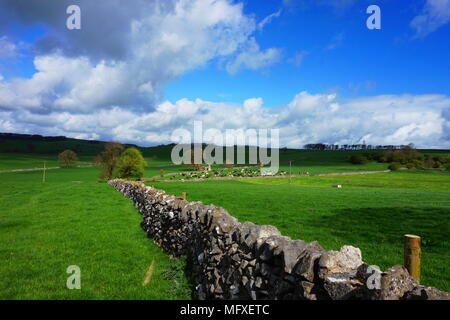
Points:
x=253 y=58
x=308 y=118
x=153 y=47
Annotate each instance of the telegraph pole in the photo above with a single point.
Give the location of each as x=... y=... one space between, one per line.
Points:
x=290 y=170
x=43 y=175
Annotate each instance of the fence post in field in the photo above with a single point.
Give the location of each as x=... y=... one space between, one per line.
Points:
x=290 y=170
x=43 y=174
x=183 y=195
x=412 y=254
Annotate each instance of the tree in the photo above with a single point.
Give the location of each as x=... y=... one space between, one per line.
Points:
x=108 y=159
x=447 y=166
x=131 y=164
x=418 y=164
x=394 y=166
x=358 y=159
x=67 y=158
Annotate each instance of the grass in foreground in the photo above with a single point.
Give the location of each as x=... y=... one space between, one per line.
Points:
x=73 y=220
x=371 y=212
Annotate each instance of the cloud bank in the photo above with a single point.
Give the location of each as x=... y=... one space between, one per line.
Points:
x=389 y=119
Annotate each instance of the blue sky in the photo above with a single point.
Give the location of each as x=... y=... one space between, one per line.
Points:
x=138 y=70
x=364 y=62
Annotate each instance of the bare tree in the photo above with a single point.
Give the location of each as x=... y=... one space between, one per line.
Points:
x=67 y=158
x=109 y=158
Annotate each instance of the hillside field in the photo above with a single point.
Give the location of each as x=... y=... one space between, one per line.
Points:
x=371 y=212
x=73 y=219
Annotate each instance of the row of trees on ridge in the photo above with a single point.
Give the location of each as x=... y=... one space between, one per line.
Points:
x=407 y=157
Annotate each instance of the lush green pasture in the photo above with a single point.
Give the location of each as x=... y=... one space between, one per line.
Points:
x=332 y=161
x=25 y=161
x=159 y=154
x=371 y=212
x=303 y=161
x=74 y=220
x=155 y=170
x=302 y=167
x=12 y=161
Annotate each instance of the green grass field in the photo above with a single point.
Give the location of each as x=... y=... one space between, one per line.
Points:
x=26 y=161
x=158 y=154
x=13 y=161
x=371 y=212
x=72 y=219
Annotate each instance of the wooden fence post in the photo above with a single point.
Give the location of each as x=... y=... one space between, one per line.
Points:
x=43 y=174
x=183 y=195
x=412 y=254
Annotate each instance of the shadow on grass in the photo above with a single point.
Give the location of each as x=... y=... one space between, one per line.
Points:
x=8 y=224
x=379 y=232
x=179 y=273
x=389 y=224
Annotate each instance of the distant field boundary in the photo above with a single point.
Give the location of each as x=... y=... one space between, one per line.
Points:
x=39 y=169
x=263 y=177
x=79 y=166
x=350 y=173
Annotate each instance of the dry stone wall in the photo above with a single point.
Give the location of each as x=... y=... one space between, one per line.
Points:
x=233 y=260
